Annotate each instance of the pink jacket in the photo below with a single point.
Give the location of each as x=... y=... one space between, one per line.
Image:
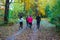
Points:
x=30 y=19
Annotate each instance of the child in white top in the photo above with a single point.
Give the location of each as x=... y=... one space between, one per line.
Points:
x=21 y=22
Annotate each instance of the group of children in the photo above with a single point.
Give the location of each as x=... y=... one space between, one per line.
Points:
x=29 y=20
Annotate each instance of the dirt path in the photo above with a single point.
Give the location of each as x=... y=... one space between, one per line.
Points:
x=46 y=32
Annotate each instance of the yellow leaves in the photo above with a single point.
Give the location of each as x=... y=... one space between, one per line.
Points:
x=42 y=11
x=41 y=4
x=28 y=3
x=15 y=0
x=18 y=1
x=52 y=2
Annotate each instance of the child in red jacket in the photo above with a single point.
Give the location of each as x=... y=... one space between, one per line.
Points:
x=30 y=20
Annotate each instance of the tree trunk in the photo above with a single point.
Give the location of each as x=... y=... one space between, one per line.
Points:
x=6 y=12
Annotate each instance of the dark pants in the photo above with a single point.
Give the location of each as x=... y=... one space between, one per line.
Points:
x=21 y=25
x=38 y=25
x=30 y=25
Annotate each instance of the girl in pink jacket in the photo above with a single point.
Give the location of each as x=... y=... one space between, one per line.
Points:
x=30 y=20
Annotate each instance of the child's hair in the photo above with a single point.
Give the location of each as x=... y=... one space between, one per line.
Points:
x=20 y=17
x=30 y=15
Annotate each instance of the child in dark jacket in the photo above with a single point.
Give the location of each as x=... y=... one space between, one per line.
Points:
x=38 y=19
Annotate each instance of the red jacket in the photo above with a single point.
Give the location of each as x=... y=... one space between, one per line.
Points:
x=30 y=19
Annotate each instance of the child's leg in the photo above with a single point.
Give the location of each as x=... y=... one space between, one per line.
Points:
x=21 y=24
x=38 y=25
x=30 y=25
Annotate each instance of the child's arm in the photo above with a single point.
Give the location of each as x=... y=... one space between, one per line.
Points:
x=22 y=19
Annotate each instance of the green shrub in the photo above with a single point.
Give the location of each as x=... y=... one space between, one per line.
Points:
x=55 y=16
